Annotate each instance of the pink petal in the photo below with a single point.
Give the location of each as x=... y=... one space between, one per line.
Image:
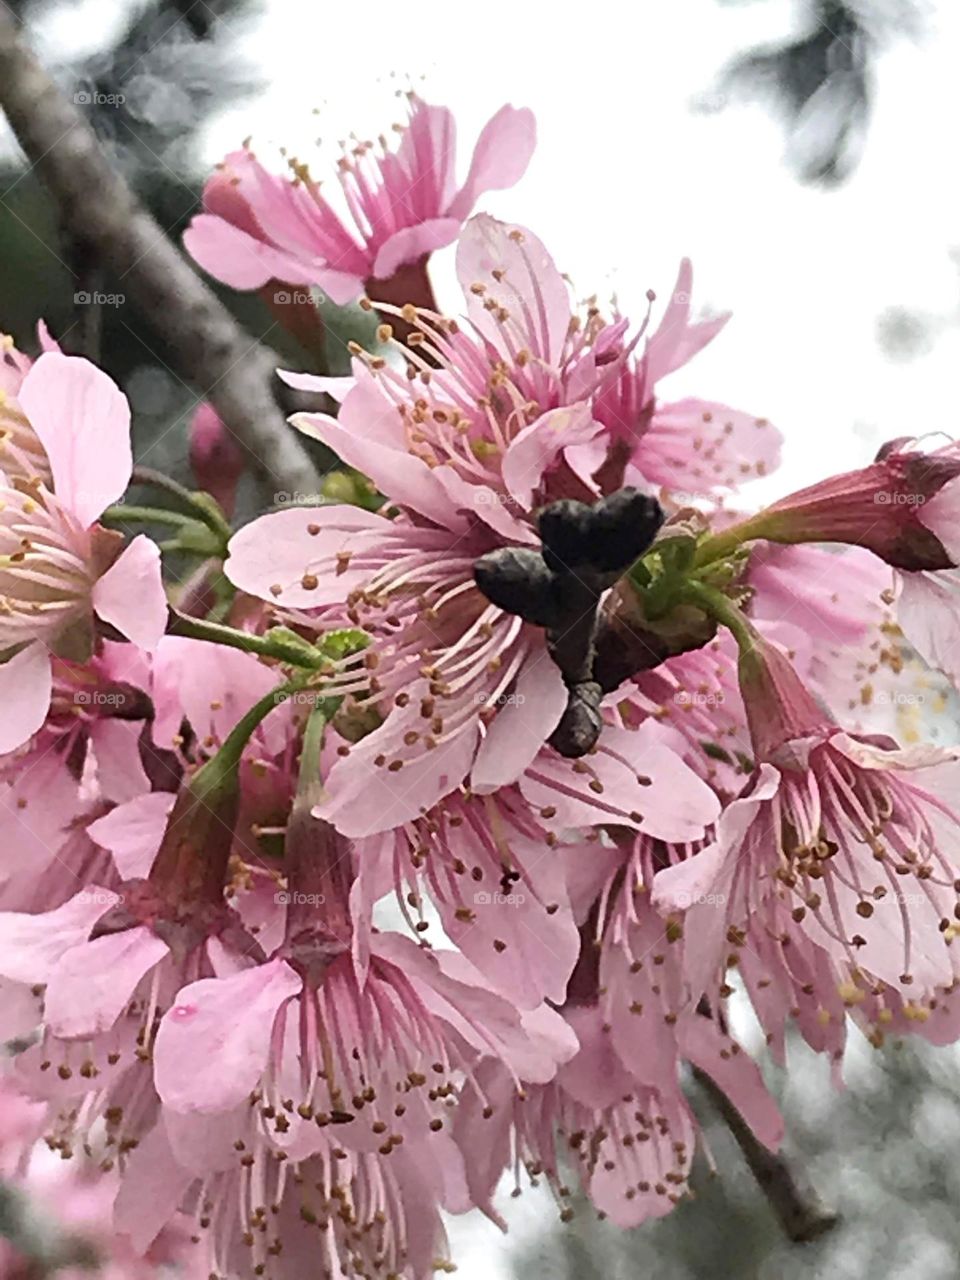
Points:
x=524 y=942
x=213 y=1045
x=829 y=595
x=236 y=258
x=363 y=798
x=500 y=157
x=595 y=1076
x=928 y=610
x=210 y=685
x=337 y=388
x=38 y=804
x=527 y=286
x=152 y=1188
x=26 y=683
x=534 y=449
x=31 y=945
x=130 y=595
x=368 y=434
x=410 y=244
x=45 y=339
x=277 y=549
x=116 y=749
x=636 y=778
x=132 y=832
x=676 y=340
x=418 y=184
x=735 y=1072
x=941 y=515
x=83 y=421
x=735 y=447
x=91 y=984
x=518 y=731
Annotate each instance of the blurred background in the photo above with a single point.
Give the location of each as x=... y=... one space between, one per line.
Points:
x=799 y=153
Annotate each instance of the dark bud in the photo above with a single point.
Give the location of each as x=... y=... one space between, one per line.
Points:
x=623 y=527
x=517 y=580
x=566 y=530
x=606 y=537
x=579 y=729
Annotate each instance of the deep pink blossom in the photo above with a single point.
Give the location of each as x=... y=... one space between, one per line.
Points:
x=402 y=205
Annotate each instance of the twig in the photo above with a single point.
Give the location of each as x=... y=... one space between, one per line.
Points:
x=206 y=344
x=797 y=1206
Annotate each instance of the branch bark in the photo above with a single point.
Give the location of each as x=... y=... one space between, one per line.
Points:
x=797 y=1206
x=207 y=346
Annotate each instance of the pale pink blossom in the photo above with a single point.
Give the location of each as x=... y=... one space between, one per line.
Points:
x=858 y=841
x=22 y=455
x=402 y=205
x=58 y=567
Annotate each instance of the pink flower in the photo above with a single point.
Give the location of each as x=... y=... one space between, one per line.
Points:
x=22 y=455
x=257 y=227
x=857 y=841
x=329 y=1067
x=58 y=567
x=690 y=447
x=630 y=1144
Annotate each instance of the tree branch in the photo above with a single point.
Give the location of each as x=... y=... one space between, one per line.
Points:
x=207 y=346
x=798 y=1208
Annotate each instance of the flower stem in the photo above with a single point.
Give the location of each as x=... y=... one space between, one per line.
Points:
x=265 y=646
x=127 y=513
x=722 y=608
x=721 y=545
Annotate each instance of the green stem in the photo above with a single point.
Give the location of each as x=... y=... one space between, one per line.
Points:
x=227 y=760
x=199 y=505
x=311 y=747
x=265 y=646
x=124 y=513
x=722 y=608
x=721 y=545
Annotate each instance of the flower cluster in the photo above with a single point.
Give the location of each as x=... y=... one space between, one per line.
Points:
x=423 y=838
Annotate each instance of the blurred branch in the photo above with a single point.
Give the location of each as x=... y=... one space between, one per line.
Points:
x=797 y=1206
x=208 y=347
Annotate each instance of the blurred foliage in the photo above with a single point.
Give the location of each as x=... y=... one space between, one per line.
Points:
x=820 y=81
